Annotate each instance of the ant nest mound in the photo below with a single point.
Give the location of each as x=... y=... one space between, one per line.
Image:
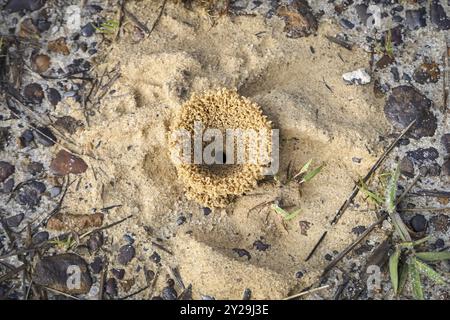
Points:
x=221 y=145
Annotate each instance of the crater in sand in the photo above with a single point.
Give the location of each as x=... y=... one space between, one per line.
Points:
x=185 y=55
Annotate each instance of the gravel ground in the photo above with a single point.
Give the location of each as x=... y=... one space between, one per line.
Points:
x=49 y=50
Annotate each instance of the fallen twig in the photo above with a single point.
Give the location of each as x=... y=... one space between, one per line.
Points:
x=135 y=20
x=345 y=44
x=12 y=273
x=105 y=227
x=60 y=292
x=162 y=247
x=304 y=293
x=158 y=17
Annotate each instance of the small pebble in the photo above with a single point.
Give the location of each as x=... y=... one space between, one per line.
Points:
x=39 y=237
x=35 y=168
x=427 y=73
x=40 y=63
x=30 y=194
x=52 y=271
x=128 y=238
x=53 y=96
x=88 y=30
x=169 y=293
x=406 y=104
x=206 y=211
x=8 y=185
x=445 y=141
x=359 y=77
x=54 y=191
x=6 y=170
x=445 y=170
x=439 y=243
x=155 y=257
x=406 y=167
x=126 y=254
x=14 y=221
x=33 y=92
x=97 y=265
x=65 y=163
x=95 y=241
x=422 y=155
x=415 y=19
x=118 y=273
x=242 y=253
x=418 y=223
x=346 y=24
x=26 y=138
x=261 y=246
x=111 y=287
x=181 y=220
x=438 y=16
x=358 y=230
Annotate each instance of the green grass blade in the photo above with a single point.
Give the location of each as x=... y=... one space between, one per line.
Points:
x=305 y=167
x=393 y=269
x=311 y=174
x=420 y=241
x=279 y=210
x=403 y=277
x=292 y=215
x=286 y=215
x=415 y=279
x=433 y=256
x=392 y=191
x=429 y=272
x=375 y=197
x=400 y=227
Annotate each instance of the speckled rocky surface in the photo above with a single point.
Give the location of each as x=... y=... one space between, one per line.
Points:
x=48 y=51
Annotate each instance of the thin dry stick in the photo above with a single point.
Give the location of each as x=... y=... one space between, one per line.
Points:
x=32 y=127
x=102 y=281
x=304 y=293
x=136 y=21
x=152 y=285
x=105 y=227
x=158 y=17
x=12 y=273
x=424 y=209
x=355 y=190
x=60 y=292
x=135 y=293
x=162 y=247
x=446 y=73
x=403 y=195
x=121 y=18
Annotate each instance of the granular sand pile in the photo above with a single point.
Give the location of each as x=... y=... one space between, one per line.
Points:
x=215 y=185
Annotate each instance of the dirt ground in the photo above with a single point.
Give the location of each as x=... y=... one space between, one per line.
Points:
x=221 y=252
x=185 y=54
